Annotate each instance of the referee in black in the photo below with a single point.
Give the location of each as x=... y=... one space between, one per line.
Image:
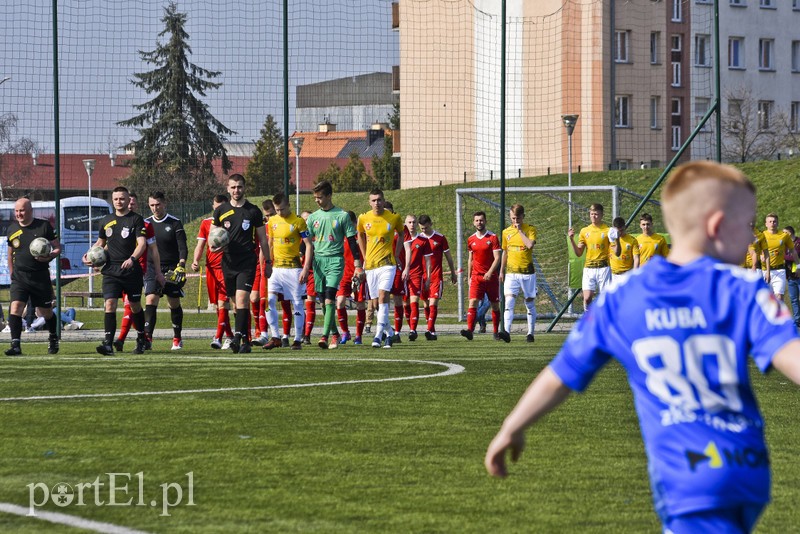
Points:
x=245 y=225
x=173 y=251
x=123 y=235
x=30 y=276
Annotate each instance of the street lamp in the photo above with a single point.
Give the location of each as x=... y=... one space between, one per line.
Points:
x=297 y=143
x=569 y=123
x=89 y=166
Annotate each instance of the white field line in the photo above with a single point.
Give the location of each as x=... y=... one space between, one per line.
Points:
x=450 y=369
x=71 y=521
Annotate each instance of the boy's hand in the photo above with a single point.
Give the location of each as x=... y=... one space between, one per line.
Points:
x=495 y=461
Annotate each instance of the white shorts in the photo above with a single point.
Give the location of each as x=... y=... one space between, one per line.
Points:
x=777 y=280
x=287 y=281
x=596 y=279
x=380 y=279
x=516 y=282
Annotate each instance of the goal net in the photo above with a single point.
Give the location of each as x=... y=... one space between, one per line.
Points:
x=549 y=210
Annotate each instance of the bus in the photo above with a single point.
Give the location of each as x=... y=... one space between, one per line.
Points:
x=73 y=233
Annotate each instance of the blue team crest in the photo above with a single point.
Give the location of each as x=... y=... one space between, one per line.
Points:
x=335 y=223
x=291 y=228
x=388 y=226
x=246 y=224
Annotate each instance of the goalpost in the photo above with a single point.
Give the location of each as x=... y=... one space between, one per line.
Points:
x=558 y=272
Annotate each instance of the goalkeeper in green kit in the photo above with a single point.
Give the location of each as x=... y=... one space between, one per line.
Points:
x=329 y=227
x=173 y=251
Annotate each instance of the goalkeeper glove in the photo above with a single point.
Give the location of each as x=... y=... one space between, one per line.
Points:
x=177 y=275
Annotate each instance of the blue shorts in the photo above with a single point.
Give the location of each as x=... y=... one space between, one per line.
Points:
x=738 y=520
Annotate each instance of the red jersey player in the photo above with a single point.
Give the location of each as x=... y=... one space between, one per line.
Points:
x=439 y=248
x=483 y=269
x=345 y=291
x=416 y=271
x=215 y=282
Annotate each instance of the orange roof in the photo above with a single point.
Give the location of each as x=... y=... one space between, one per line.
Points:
x=324 y=144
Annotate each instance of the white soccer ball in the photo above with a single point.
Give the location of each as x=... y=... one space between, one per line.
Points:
x=97 y=256
x=218 y=238
x=40 y=247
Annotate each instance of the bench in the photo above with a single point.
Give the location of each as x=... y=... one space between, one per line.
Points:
x=83 y=295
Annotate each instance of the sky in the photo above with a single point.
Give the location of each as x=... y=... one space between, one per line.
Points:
x=98 y=49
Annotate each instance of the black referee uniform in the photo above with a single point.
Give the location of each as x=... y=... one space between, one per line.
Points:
x=240 y=260
x=30 y=278
x=120 y=234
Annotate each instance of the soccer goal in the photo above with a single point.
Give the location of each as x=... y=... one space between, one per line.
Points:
x=550 y=210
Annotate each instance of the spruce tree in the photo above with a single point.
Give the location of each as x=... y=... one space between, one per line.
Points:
x=180 y=138
x=265 y=170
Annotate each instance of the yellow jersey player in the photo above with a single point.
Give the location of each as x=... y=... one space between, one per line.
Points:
x=779 y=244
x=517 y=272
x=289 y=276
x=754 y=259
x=650 y=243
x=376 y=229
x=624 y=254
x=593 y=239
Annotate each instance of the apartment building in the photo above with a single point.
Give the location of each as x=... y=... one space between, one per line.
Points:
x=638 y=72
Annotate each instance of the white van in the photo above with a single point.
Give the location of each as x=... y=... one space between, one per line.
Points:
x=73 y=231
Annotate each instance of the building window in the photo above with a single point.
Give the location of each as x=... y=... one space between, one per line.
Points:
x=654 y=107
x=677 y=10
x=655 y=46
x=764 y=114
x=796 y=56
x=794 y=117
x=768 y=4
x=704 y=1
x=741 y=3
x=675 y=107
x=676 y=137
x=795 y=4
x=622 y=118
x=702 y=52
x=676 y=74
x=766 y=52
x=736 y=52
x=621 y=46
x=677 y=43
x=700 y=108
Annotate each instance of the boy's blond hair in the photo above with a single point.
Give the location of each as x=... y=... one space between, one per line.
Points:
x=713 y=187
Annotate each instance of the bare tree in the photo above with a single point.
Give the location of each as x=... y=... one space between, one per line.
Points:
x=11 y=175
x=751 y=129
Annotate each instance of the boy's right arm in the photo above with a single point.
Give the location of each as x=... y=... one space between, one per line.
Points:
x=787 y=361
x=545 y=393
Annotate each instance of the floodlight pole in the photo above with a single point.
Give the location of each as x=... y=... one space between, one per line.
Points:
x=297 y=142
x=89 y=165
x=569 y=123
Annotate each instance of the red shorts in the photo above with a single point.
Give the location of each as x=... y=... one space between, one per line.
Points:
x=310 y=290
x=257 y=279
x=346 y=285
x=215 y=282
x=436 y=287
x=478 y=287
x=415 y=285
x=398 y=287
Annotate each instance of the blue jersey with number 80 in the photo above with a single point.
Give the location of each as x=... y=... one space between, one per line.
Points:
x=683 y=334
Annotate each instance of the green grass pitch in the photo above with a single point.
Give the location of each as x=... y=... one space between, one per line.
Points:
x=362 y=456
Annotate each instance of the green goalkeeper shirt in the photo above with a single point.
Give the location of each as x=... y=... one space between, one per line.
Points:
x=329 y=230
